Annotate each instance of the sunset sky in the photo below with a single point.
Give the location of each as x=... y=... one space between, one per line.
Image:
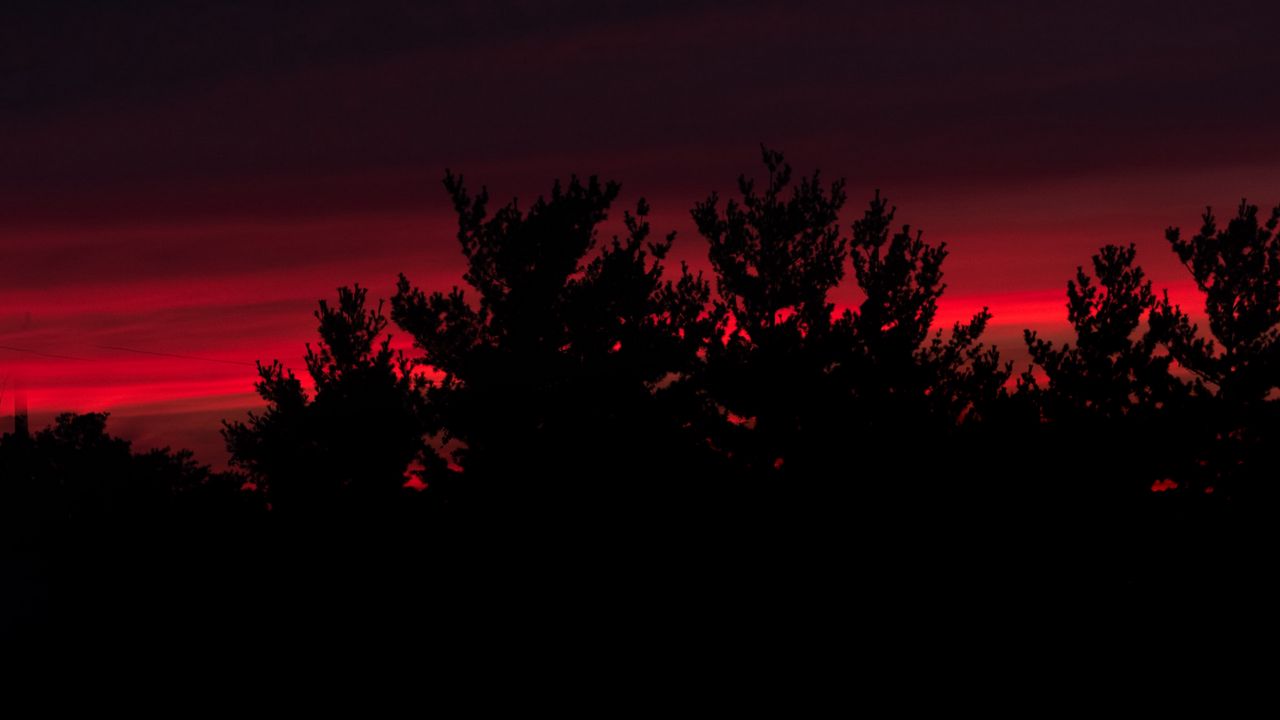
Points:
x=181 y=184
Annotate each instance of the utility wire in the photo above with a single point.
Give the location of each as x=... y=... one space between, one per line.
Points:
x=175 y=355
x=42 y=354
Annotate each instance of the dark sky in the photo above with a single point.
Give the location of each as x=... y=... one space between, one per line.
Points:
x=189 y=178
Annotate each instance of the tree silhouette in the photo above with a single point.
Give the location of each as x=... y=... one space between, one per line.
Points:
x=86 y=464
x=801 y=387
x=777 y=253
x=1109 y=373
x=901 y=368
x=610 y=427
x=913 y=393
x=75 y=473
x=1109 y=397
x=94 y=535
x=837 y=426
x=1238 y=270
x=562 y=381
x=354 y=442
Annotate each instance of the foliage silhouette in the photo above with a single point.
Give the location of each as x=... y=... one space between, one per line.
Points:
x=354 y=443
x=95 y=536
x=562 y=384
x=915 y=395
x=83 y=476
x=902 y=370
x=1108 y=373
x=800 y=375
x=838 y=424
x=1238 y=270
x=1116 y=415
x=607 y=424
x=777 y=254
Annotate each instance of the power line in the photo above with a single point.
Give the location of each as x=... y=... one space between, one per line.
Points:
x=175 y=355
x=43 y=354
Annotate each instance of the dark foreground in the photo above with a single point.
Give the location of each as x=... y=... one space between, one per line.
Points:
x=759 y=577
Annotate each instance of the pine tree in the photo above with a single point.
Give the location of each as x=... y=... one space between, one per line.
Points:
x=1110 y=399
x=560 y=380
x=1238 y=270
x=799 y=384
x=1113 y=370
x=903 y=370
x=350 y=444
x=777 y=253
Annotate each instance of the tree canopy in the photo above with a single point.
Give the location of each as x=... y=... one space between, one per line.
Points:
x=1237 y=268
x=607 y=421
x=356 y=438
x=568 y=354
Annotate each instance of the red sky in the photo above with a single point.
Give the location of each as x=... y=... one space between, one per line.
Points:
x=190 y=182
